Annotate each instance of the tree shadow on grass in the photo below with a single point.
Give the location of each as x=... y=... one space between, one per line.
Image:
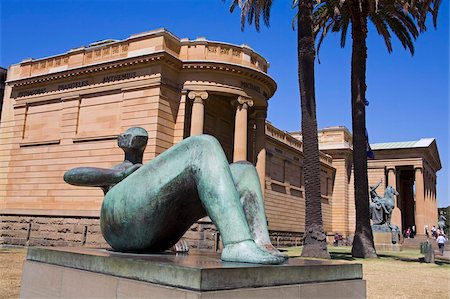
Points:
x=413 y=259
x=347 y=256
x=399 y=258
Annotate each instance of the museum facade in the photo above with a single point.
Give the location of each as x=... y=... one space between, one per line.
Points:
x=66 y=111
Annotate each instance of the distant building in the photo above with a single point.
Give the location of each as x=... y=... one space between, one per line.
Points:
x=66 y=111
x=410 y=167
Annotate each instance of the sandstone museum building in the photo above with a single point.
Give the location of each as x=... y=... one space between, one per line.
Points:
x=66 y=111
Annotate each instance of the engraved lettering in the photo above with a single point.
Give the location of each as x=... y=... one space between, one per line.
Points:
x=119 y=77
x=32 y=92
x=251 y=86
x=73 y=85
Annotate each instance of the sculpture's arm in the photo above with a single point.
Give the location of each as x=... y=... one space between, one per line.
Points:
x=97 y=177
x=377 y=185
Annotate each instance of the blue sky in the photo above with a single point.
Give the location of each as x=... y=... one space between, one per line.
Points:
x=409 y=96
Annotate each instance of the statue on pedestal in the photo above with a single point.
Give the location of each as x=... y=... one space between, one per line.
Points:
x=381 y=207
x=381 y=212
x=148 y=208
x=441 y=222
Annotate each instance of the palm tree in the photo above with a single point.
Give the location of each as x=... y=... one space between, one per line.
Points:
x=251 y=10
x=403 y=18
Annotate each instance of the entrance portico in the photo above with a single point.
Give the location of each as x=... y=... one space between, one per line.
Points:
x=410 y=167
x=233 y=120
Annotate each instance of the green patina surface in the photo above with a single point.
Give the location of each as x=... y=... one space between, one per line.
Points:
x=147 y=208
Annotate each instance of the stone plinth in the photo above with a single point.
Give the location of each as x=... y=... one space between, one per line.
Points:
x=383 y=241
x=82 y=272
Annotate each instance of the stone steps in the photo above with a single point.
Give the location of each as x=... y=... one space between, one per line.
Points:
x=414 y=243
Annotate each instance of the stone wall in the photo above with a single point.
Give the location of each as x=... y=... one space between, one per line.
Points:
x=50 y=231
x=285 y=239
x=81 y=231
x=203 y=235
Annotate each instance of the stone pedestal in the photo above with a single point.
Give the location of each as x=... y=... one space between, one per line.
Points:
x=383 y=241
x=88 y=273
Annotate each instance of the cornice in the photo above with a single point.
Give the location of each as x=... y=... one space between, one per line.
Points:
x=295 y=145
x=90 y=69
x=211 y=65
x=161 y=56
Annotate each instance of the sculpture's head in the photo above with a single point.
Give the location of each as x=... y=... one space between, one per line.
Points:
x=134 y=139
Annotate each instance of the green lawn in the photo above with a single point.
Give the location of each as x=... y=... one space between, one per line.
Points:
x=397 y=274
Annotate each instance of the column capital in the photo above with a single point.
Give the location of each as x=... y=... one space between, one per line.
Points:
x=198 y=111
x=417 y=168
x=242 y=102
x=391 y=168
x=198 y=95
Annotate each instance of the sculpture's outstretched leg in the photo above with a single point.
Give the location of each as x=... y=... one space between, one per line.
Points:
x=388 y=217
x=155 y=205
x=220 y=198
x=249 y=188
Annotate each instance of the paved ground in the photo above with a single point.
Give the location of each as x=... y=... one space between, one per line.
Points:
x=445 y=256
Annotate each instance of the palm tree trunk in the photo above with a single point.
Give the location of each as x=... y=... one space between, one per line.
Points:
x=363 y=245
x=315 y=239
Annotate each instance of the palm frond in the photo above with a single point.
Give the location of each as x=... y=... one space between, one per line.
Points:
x=252 y=10
x=405 y=19
x=382 y=29
x=344 y=28
x=402 y=33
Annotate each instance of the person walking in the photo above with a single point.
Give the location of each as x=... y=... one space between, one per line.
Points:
x=408 y=233
x=441 y=243
x=336 y=239
x=433 y=232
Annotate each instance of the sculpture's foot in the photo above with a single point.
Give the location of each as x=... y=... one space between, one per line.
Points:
x=272 y=250
x=248 y=252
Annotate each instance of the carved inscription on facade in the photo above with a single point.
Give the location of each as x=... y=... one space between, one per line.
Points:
x=73 y=85
x=251 y=86
x=119 y=77
x=32 y=92
x=77 y=84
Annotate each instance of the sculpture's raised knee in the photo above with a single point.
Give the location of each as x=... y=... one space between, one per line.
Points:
x=242 y=163
x=243 y=169
x=205 y=142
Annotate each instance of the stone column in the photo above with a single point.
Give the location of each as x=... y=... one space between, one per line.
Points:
x=428 y=219
x=260 y=146
x=427 y=199
x=396 y=213
x=420 y=201
x=435 y=207
x=433 y=217
x=240 y=128
x=198 y=111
